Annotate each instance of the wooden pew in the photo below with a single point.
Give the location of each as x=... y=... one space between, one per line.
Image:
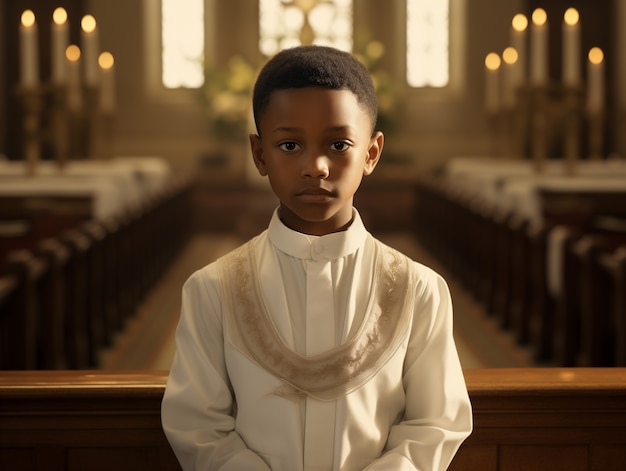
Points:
x=524 y=419
x=19 y=311
x=52 y=296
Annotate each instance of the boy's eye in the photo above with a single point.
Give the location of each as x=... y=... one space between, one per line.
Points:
x=339 y=146
x=288 y=146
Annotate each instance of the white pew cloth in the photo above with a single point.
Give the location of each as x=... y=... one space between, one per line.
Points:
x=130 y=182
x=107 y=199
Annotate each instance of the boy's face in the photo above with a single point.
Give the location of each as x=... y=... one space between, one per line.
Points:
x=316 y=146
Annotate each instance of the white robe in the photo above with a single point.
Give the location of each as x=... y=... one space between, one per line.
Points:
x=223 y=411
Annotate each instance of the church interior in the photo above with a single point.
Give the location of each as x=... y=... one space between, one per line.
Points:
x=125 y=166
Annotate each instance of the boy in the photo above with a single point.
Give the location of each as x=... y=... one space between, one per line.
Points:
x=314 y=346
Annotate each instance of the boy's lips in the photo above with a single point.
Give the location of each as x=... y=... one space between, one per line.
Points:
x=315 y=194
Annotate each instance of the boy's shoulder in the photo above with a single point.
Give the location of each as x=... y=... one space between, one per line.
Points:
x=418 y=270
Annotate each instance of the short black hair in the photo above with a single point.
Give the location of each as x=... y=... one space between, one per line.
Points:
x=315 y=66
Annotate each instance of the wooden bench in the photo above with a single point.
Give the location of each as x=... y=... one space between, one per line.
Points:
x=524 y=419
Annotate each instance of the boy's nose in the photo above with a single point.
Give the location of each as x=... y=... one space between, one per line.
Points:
x=315 y=167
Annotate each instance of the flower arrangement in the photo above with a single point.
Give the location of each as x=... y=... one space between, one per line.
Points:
x=389 y=106
x=227 y=94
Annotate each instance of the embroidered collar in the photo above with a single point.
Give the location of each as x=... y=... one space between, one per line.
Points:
x=340 y=370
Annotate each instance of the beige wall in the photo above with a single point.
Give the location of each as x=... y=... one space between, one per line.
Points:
x=439 y=123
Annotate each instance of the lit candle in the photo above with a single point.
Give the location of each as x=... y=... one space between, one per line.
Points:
x=74 y=92
x=595 y=81
x=29 y=50
x=510 y=78
x=539 y=47
x=492 y=79
x=519 y=26
x=107 y=82
x=90 y=50
x=60 y=38
x=571 y=47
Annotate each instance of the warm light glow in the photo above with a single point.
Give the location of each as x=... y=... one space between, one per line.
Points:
x=492 y=61
x=106 y=60
x=520 y=22
x=540 y=17
x=571 y=16
x=72 y=52
x=88 y=23
x=59 y=16
x=510 y=55
x=596 y=56
x=28 y=18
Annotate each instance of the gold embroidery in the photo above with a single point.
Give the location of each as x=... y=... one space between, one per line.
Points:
x=340 y=370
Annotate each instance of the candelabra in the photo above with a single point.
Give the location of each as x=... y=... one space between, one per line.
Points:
x=549 y=115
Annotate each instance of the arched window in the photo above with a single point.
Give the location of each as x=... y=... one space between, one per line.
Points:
x=182 y=39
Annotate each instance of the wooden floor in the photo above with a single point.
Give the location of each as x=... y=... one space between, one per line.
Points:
x=147 y=341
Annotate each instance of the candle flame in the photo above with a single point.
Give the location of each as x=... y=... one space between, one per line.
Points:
x=492 y=61
x=28 y=18
x=510 y=55
x=540 y=17
x=519 y=22
x=88 y=23
x=106 y=60
x=596 y=56
x=571 y=16
x=72 y=52
x=59 y=16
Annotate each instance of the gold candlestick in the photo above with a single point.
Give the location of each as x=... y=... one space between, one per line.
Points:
x=596 y=135
x=60 y=125
x=91 y=120
x=572 y=108
x=108 y=125
x=31 y=99
x=539 y=127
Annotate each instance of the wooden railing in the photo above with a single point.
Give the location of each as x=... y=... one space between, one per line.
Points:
x=524 y=419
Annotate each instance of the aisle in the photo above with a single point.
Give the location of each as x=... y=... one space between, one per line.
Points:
x=147 y=342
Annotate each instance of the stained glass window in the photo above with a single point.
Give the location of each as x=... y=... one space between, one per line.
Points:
x=288 y=23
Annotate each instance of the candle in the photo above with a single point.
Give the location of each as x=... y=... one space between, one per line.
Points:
x=492 y=79
x=571 y=47
x=107 y=82
x=510 y=78
x=519 y=26
x=539 y=47
x=595 y=81
x=74 y=92
x=60 y=35
x=29 y=50
x=90 y=50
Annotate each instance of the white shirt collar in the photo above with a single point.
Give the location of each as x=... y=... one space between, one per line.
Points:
x=309 y=247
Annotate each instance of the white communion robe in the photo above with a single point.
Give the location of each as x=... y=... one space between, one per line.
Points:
x=326 y=353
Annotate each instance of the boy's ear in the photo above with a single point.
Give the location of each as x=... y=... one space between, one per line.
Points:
x=374 y=151
x=257 y=154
